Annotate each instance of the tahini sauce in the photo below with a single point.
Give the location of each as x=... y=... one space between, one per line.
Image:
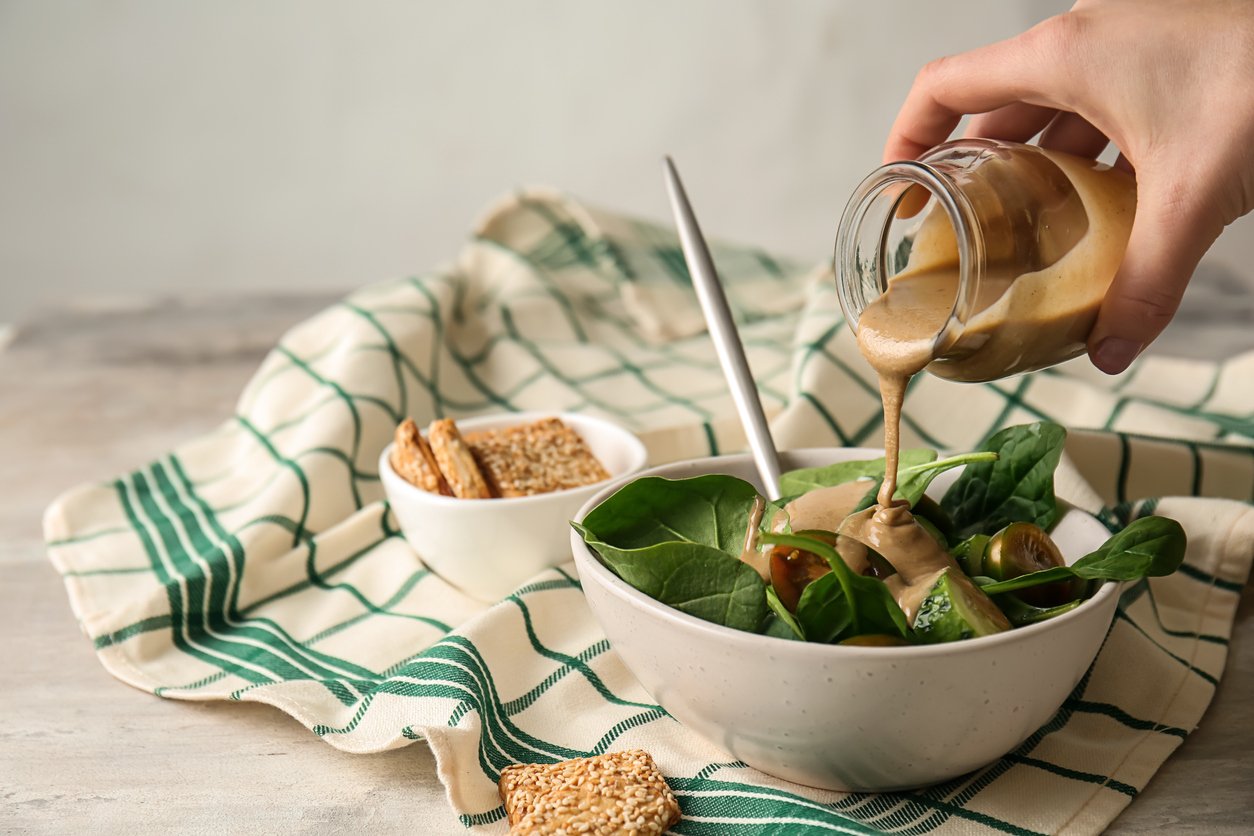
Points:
x=1021 y=323
x=825 y=509
x=1031 y=321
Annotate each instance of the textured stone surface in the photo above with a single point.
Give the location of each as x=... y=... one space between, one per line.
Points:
x=84 y=395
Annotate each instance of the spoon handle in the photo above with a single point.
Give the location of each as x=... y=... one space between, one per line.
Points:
x=718 y=318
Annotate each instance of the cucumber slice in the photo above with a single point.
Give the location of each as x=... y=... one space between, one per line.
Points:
x=970 y=554
x=956 y=609
x=1021 y=614
x=930 y=528
x=930 y=510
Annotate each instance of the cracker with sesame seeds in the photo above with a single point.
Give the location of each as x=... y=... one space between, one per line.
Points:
x=539 y=457
x=455 y=461
x=614 y=793
x=414 y=462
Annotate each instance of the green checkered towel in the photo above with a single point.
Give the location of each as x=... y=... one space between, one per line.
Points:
x=261 y=563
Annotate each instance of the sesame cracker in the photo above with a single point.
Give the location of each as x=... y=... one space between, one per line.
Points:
x=615 y=793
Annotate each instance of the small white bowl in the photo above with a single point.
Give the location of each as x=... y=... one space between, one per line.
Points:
x=489 y=547
x=841 y=717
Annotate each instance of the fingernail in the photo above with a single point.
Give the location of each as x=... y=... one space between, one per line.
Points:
x=1114 y=354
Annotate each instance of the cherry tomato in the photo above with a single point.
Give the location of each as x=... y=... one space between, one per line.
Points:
x=792 y=570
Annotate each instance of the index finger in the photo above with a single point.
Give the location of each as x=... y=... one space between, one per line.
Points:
x=1018 y=70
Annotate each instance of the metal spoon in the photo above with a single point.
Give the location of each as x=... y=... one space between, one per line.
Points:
x=718 y=318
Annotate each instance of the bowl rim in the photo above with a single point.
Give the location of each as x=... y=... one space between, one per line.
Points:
x=638 y=456
x=587 y=559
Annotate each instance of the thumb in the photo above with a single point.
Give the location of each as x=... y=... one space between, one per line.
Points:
x=1170 y=233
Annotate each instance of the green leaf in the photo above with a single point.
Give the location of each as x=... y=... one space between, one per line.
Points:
x=783 y=616
x=869 y=498
x=823 y=612
x=1017 y=487
x=797 y=482
x=1022 y=614
x=777 y=628
x=871 y=607
x=775 y=508
x=711 y=510
x=1149 y=547
x=679 y=541
x=913 y=482
x=691 y=577
x=1058 y=573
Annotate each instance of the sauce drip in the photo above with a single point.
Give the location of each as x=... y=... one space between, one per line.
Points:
x=915 y=554
x=749 y=552
x=1016 y=321
x=1033 y=305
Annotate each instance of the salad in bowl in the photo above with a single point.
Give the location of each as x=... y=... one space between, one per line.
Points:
x=827 y=564
x=819 y=644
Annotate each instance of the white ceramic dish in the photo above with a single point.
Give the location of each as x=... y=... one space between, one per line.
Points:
x=849 y=718
x=488 y=547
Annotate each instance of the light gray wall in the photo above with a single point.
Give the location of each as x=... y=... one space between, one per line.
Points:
x=155 y=146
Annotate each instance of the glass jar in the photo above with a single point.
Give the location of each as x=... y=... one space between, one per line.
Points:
x=1018 y=244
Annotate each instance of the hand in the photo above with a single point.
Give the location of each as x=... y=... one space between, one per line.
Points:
x=1168 y=81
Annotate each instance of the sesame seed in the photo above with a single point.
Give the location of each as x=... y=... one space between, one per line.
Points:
x=615 y=793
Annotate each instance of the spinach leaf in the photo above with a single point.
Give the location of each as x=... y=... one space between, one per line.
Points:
x=1044 y=576
x=775 y=508
x=913 y=482
x=869 y=498
x=822 y=611
x=797 y=482
x=710 y=510
x=691 y=577
x=777 y=628
x=1017 y=487
x=1021 y=614
x=1150 y=547
x=791 y=628
x=870 y=606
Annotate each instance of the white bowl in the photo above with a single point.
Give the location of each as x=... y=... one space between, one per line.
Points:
x=489 y=547
x=840 y=717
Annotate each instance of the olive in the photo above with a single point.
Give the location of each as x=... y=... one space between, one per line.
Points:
x=1022 y=548
x=876 y=640
x=792 y=570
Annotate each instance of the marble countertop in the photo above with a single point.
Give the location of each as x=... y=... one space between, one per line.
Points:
x=88 y=392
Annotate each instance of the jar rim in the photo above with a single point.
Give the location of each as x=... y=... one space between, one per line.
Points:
x=961 y=216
